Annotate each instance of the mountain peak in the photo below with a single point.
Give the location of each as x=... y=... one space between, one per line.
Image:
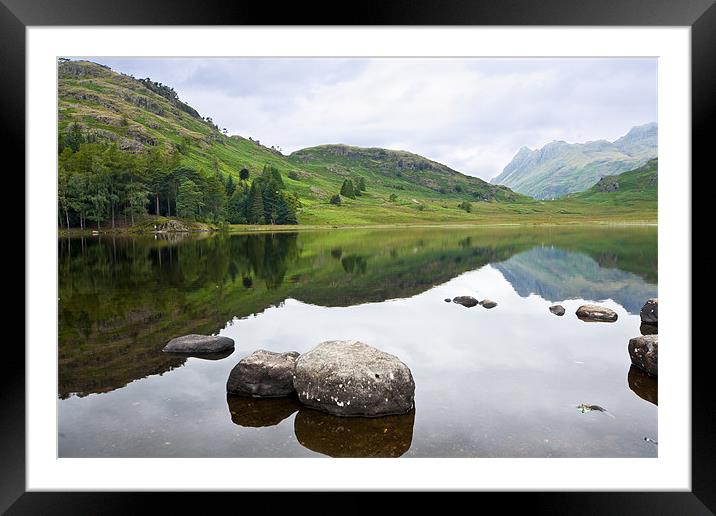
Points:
x=559 y=168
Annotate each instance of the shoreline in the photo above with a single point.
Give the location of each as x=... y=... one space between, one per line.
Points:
x=248 y=229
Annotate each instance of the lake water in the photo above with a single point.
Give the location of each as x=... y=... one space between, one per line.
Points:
x=503 y=382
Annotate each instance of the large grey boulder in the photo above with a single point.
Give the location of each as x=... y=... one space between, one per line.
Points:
x=466 y=301
x=644 y=353
x=199 y=344
x=557 y=310
x=650 y=312
x=350 y=378
x=263 y=374
x=596 y=313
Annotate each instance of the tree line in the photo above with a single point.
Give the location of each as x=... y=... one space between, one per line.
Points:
x=264 y=201
x=350 y=190
x=98 y=184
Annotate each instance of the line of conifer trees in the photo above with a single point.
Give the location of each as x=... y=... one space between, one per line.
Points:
x=264 y=201
x=350 y=189
x=101 y=185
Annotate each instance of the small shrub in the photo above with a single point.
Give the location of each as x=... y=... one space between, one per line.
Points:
x=336 y=199
x=465 y=205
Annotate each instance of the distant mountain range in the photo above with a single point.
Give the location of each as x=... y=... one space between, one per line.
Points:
x=560 y=168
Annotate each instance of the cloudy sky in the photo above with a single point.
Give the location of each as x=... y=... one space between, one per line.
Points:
x=471 y=114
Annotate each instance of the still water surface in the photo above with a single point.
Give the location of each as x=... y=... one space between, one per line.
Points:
x=503 y=382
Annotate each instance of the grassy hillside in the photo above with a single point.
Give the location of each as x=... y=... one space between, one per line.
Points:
x=638 y=187
x=140 y=116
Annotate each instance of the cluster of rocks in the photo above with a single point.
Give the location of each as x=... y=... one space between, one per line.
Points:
x=343 y=378
x=589 y=313
x=644 y=349
x=469 y=302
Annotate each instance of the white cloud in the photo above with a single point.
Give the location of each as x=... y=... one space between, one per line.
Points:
x=471 y=114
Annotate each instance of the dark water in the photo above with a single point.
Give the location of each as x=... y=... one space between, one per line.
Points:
x=504 y=382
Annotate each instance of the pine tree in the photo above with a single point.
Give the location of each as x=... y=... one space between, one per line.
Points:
x=189 y=200
x=361 y=184
x=347 y=189
x=230 y=186
x=271 y=197
x=74 y=137
x=256 y=205
x=286 y=214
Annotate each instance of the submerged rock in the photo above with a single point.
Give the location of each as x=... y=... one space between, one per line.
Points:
x=466 y=301
x=488 y=303
x=199 y=344
x=257 y=412
x=263 y=374
x=650 y=312
x=596 y=313
x=643 y=385
x=350 y=378
x=644 y=353
x=389 y=436
x=557 y=310
x=588 y=407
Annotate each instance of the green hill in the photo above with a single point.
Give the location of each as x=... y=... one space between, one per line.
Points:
x=130 y=147
x=635 y=186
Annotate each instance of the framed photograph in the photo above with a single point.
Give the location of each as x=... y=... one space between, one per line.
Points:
x=273 y=252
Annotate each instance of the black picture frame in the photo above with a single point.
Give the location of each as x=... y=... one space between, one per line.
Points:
x=16 y=15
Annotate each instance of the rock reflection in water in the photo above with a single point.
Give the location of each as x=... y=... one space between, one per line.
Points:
x=207 y=356
x=643 y=385
x=389 y=436
x=649 y=329
x=255 y=412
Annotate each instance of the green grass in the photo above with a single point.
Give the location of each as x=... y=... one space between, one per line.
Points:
x=119 y=108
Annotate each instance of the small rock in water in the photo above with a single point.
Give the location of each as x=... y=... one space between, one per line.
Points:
x=587 y=407
x=448 y=300
x=263 y=374
x=488 y=303
x=466 y=301
x=557 y=310
x=199 y=344
x=596 y=313
x=644 y=353
x=650 y=311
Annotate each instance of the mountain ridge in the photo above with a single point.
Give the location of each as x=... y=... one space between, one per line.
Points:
x=559 y=168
